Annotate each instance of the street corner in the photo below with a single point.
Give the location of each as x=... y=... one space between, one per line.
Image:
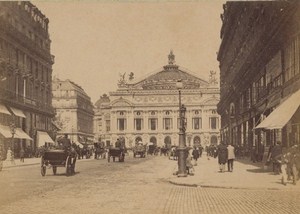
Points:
x=189 y=180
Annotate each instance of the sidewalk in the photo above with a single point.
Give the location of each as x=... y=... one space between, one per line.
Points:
x=17 y=162
x=27 y=162
x=245 y=175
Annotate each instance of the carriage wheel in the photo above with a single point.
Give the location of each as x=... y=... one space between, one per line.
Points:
x=43 y=167
x=54 y=169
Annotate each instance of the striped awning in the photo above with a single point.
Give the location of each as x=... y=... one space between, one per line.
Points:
x=17 y=112
x=4 y=110
x=282 y=114
x=20 y=134
x=43 y=137
x=5 y=131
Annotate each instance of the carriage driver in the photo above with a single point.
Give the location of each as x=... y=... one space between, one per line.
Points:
x=66 y=143
x=118 y=143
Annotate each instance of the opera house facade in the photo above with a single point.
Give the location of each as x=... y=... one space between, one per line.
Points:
x=147 y=110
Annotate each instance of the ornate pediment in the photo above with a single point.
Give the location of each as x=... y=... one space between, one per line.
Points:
x=211 y=101
x=121 y=102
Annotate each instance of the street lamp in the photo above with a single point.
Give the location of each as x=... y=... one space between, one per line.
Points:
x=13 y=132
x=182 y=148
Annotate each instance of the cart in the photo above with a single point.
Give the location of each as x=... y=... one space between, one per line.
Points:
x=58 y=158
x=139 y=150
x=116 y=153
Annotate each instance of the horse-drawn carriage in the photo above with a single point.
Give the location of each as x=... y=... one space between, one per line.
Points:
x=118 y=151
x=59 y=158
x=139 y=150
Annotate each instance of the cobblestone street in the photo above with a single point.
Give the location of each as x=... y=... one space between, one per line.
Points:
x=138 y=185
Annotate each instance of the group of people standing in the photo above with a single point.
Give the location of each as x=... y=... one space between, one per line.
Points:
x=286 y=161
x=226 y=154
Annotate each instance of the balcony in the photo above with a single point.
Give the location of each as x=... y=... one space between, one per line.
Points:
x=12 y=97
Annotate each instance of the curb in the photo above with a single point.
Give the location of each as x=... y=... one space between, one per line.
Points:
x=14 y=166
x=224 y=187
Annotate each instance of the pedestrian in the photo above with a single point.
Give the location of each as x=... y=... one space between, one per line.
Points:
x=189 y=165
x=10 y=156
x=196 y=155
x=22 y=155
x=231 y=157
x=222 y=156
x=275 y=157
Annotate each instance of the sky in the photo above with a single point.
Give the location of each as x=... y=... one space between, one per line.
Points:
x=95 y=41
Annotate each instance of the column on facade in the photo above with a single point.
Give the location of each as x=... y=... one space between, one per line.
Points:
x=129 y=125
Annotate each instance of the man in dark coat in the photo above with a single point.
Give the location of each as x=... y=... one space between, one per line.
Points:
x=66 y=143
x=222 y=156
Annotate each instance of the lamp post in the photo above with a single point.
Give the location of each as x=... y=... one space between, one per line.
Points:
x=182 y=147
x=13 y=132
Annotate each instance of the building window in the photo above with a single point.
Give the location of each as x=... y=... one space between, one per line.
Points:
x=152 y=112
x=196 y=112
x=153 y=123
x=167 y=112
x=213 y=121
x=167 y=123
x=107 y=124
x=196 y=123
x=138 y=123
x=121 y=113
x=292 y=59
x=138 y=113
x=121 y=124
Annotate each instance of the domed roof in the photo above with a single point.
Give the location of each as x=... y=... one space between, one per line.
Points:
x=104 y=100
x=168 y=77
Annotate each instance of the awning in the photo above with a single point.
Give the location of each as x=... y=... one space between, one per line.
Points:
x=5 y=131
x=20 y=134
x=282 y=114
x=17 y=112
x=4 y=110
x=42 y=138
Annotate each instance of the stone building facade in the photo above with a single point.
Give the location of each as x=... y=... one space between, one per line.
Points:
x=25 y=76
x=259 y=70
x=147 y=110
x=74 y=111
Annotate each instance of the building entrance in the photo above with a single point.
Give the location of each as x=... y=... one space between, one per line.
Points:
x=168 y=142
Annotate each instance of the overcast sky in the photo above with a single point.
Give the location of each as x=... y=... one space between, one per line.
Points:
x=93 y=42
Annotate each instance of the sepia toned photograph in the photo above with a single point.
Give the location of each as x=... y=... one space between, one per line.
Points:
x=149 y=106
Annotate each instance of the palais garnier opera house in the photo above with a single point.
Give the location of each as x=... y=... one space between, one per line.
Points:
x=147 y=110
